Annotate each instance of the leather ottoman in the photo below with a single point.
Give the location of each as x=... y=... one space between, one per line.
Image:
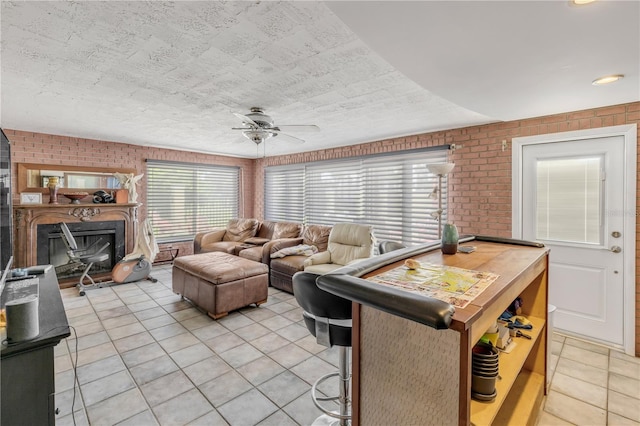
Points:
x=219 y=282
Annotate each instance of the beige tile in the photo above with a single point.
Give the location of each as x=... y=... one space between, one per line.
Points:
x=205 y=370
x=119 y=321
x=235 y=320
x=153 y=369
x=181 y=341
x=191 y=355
x=624 y=357
x=224 y=342
x=96 y=353
x=117 y=408
x=616 y=420
x=224 y=388
x=240 y=355
x=587 y=373
x=624 y=385
x=546 y=419
x=624 y=405
x=585 y=356
x=126 y=330
x=235 y=410
x=197 y=322
x=142 y=354
x=260 y=370
x=209 y=331
x=186 y=314
x=96 y=370
x=166 y=387
x=290 y=355
x=212 y=418
x=269 y=342
x=106 y=387
x=146 y=418
x=574 y=411
x=132 y=342
x=624 y=367
x=583 y=391
x=556 y=337
x=593 y=347
x=182 y=409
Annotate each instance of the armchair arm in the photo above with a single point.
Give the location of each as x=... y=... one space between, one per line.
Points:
x=318 y=258
x=357 y=260
x=207 y=237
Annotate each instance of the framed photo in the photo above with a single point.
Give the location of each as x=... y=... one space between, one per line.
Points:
x=30 y=198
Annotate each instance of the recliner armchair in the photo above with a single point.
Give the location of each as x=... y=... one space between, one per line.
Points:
x=348 y=243
x=225 y=239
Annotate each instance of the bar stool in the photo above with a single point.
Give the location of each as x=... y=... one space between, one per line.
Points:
x=328 y=318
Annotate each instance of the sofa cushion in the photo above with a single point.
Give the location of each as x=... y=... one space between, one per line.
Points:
x=286 y=230
x=288 y=265
x=241 y=229
x=265 y=229
x=252 y=253
x=317 y=235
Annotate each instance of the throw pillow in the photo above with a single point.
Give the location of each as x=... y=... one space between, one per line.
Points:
x=299 y=250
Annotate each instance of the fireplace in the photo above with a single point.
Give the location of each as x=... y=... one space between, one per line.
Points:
x=38 y=240
x=53 y=251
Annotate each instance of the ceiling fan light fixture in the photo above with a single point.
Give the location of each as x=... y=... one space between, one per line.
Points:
x=607 y=79
x=258 y=136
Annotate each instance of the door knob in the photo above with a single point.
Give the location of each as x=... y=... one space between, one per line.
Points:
x=616 y=249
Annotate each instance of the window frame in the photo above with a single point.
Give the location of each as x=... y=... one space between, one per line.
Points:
x=208 y=197
x=409 y=187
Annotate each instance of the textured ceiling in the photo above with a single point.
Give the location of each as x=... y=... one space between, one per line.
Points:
x=171 y=74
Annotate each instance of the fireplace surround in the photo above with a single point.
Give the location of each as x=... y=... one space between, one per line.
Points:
x=28 y=218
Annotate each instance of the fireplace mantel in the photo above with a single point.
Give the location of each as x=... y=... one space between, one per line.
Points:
x=27 y=217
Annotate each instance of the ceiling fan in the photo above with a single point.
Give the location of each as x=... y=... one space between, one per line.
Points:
x=259 y=127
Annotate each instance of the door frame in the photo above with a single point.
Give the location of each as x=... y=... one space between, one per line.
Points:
x=629 y=135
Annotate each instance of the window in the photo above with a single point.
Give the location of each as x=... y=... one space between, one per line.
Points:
x=569 y=200
x=391 y=192
x=184 y=198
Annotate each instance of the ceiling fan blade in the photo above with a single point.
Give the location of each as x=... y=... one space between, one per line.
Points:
x=246 y=120
x=300 y=127
x=285 y=136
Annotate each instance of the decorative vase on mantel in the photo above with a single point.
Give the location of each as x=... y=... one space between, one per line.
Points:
x=53 y=189
x=449 y=239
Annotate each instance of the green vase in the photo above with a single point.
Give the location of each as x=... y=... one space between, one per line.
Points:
x=449 y=239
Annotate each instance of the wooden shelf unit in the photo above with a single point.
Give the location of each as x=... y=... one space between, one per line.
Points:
x=406 y=372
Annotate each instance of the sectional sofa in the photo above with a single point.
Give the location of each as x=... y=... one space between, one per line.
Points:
x=259 y=240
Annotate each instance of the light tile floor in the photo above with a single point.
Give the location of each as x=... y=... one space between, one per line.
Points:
x=591 y=385
x=147 y=357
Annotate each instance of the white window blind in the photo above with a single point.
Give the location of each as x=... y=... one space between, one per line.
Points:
x=391 y=192
x=185 y=198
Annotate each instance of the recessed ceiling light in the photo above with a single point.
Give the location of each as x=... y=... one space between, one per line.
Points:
x=581 y=2
x=607 y=79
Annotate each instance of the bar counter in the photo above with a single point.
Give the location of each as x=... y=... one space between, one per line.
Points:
x=412 y=354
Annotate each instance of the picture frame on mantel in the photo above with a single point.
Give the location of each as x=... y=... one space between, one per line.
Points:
x=30 y=198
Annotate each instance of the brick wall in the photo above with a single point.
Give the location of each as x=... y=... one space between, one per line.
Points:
x=29 y=147
x=480 y=187
x=480 y=184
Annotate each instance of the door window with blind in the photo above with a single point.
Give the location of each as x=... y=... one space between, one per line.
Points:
x=185 y=198
x=391 y=192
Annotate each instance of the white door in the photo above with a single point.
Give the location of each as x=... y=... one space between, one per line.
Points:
x=567 y=197
x=576 y=193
